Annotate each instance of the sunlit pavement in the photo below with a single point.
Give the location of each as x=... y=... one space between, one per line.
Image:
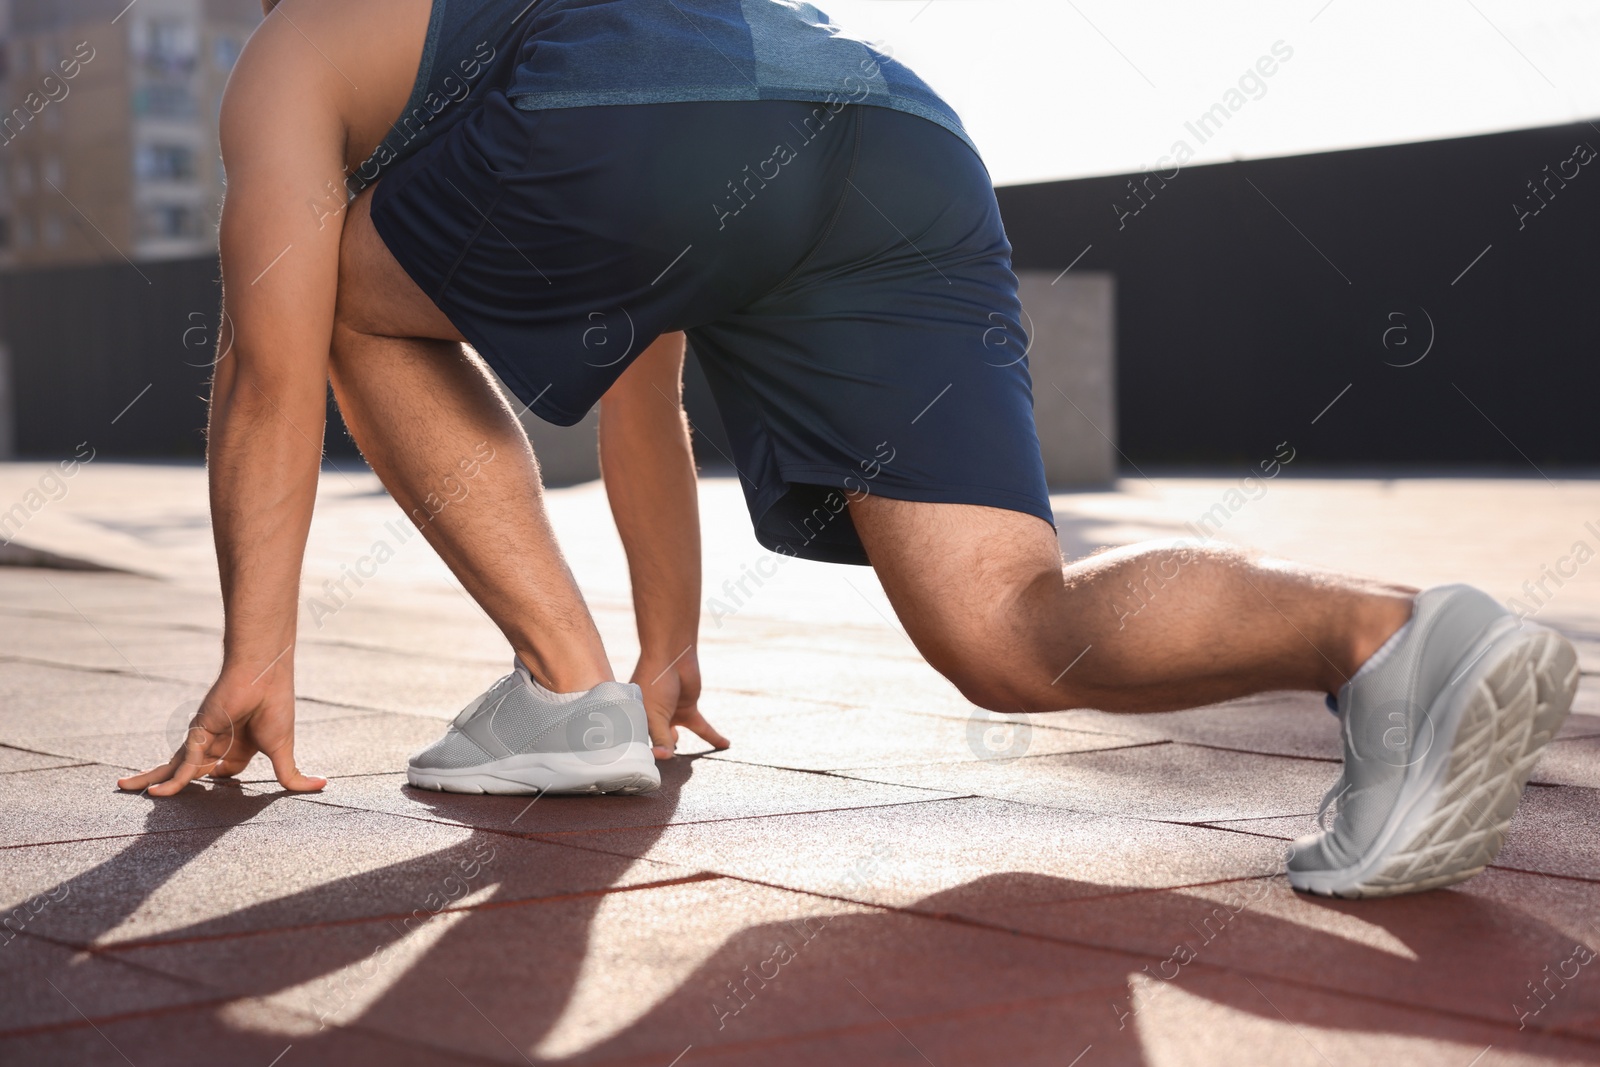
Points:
x=875 y=873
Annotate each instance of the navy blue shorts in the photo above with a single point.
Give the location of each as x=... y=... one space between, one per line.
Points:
x=843 y=277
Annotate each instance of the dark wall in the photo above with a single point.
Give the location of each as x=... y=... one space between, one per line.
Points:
x=1240 y=319
x=86 y=342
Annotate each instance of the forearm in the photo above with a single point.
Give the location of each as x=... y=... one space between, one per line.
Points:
x=648 y=465
x=263 y=456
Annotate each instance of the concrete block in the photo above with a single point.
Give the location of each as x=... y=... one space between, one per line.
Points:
x=1071 y=321
x=1072 y=324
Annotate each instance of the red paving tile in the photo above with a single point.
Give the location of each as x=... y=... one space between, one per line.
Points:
x=844 y=738
x=706 y=964
x=1176 y=782
x=204 y=1037
x=49 y=985
x=322 y=866
x=993 y=850
x=1570 y=762
x=1420 y=950
x=1283 y=724
x=692 y=790
x=962 y=909
x=1552 y=832
x=1201 y=1021
x=83 y=802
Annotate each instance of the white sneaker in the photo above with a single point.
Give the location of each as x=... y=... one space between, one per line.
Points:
x=1440 y=736
x=514 y=739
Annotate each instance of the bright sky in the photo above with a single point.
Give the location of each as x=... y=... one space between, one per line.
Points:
x=1069 y=88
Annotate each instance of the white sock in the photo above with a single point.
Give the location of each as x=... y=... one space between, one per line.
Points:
x=546 y=695
x=1385 y=650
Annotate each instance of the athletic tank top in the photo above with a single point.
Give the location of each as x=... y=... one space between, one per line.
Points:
x=588 y=53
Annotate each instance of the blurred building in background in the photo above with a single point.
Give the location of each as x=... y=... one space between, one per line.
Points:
x=108 y=145
x=110 y=188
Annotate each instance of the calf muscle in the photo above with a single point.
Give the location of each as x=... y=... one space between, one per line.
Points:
x=1154 y=627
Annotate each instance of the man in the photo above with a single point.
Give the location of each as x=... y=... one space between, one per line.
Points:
x=589 y=174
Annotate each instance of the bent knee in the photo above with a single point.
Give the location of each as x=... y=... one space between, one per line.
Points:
x=1004 y=683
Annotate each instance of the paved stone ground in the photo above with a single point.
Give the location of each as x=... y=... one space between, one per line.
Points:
x=873 y=874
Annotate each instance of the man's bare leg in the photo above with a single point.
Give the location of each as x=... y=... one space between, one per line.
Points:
x=420 y=407
x=1153 y=627
x=414 y=405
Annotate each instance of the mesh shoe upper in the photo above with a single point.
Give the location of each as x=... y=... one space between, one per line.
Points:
x=511 y=718
x=1386 y=717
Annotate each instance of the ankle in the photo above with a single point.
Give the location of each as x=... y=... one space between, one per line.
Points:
x=1379 y=620
x=567 y=675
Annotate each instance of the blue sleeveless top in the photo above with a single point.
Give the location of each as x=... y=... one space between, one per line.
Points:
x=588 y=53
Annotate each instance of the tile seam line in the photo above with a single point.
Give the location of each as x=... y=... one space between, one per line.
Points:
x=826 y=705
x=989 y=1009
x=122 y=672
x=839 y=774
x=332 y=924
x=829 y=706
x=853 y=773
x=1255 y=752
x=144 y=622
x=556 y=837
x=40 y=752
x=147 y=676
x=1218 y=969
x=1585 y=879
x=570 y=836
x=114 y=1018
x=832 y=1032
x=1219 y=824
x=387 y=1037
x=40 y=770
x=140 y=833
x=177 y=978
x=953 y=917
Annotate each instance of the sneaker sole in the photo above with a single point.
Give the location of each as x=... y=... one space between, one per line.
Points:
x=1450 y=824
x=630 y=769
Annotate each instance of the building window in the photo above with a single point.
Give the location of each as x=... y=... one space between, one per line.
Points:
x=170 y=221
x=50 y=172
x=54 y=232
x=22 y=174
x=5 y=231
x=164 y=101
x=165 y=163
x=225 y=52
x=24 y=232
x=170 y=47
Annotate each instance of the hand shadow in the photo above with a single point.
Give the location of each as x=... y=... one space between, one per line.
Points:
x=337 y=952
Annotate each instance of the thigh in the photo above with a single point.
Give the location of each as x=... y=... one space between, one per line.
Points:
x=376 y=296
x=958 y=575
x=892 y=360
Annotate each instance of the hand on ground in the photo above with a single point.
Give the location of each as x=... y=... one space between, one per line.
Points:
x=235 y=721
x=671 y=700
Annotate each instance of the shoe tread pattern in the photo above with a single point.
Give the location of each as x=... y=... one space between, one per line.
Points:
x=1516 y=709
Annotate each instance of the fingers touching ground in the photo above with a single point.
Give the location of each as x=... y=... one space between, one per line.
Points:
x=670 y=701
x=219 y=745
